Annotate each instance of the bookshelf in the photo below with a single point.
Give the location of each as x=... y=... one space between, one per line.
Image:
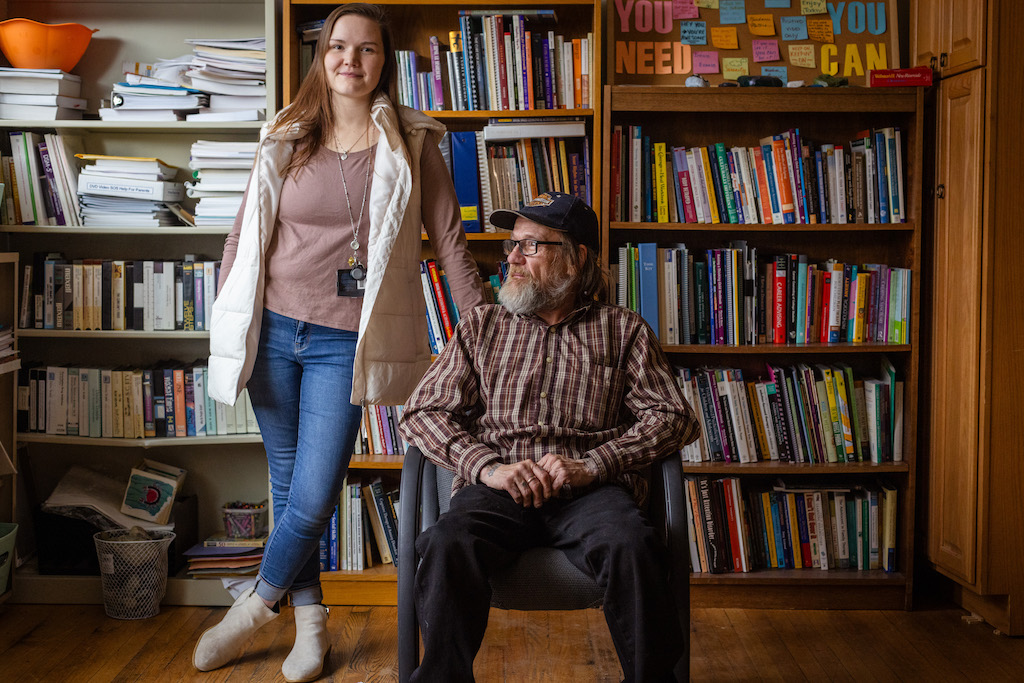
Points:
x=412 y=25
x=219 y=468
x=740 y=117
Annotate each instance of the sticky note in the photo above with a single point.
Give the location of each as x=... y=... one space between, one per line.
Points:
x=707 y=4
x=734 y=67
x=732 y=12
x=766 y=50
x=705 y=62
x=724 y=37
x=813 y=7
x=684 y=9
x=761 y=24
x=802 y=56
x=820 y=29
x=794 y=28
x=693 y=33
x=781 y=4
x=778 y=71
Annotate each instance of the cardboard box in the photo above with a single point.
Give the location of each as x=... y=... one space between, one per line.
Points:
x=151 y=490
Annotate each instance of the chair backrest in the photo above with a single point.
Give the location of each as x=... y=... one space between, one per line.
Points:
x=541 y=579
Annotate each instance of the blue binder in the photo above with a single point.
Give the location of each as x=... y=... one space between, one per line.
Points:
x=465 y=173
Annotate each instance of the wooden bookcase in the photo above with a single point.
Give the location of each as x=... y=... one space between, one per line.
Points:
x=702 y=116
x=972 y=431
x=8 y=405
x=219 y=468
x=413 y=24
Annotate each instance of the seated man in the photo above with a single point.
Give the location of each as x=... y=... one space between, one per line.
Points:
x=549 y=408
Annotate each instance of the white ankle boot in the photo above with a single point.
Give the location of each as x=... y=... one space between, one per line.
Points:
x=222 y=643
x=306 y=660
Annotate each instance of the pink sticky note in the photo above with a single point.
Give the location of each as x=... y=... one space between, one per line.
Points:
x=684 y=9
x=705 y=62
x=765 y=50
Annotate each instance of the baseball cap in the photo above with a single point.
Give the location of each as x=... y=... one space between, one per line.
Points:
x=557 y=210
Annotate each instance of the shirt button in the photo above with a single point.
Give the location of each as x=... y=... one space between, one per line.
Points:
x=548 y=359
x=543 y=394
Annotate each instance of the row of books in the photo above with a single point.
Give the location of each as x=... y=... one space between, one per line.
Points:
x=40 y=94
x=378 y=432
x=743 y=528
x=442 y=313
x=510 y=162
x=105 y=294
x=783 y=180
x=730 y=296
x=807 y=413
x=167 y=400
x=363 y=531
x=40 y=173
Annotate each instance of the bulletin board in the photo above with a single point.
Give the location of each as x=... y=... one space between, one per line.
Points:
x=662 y=42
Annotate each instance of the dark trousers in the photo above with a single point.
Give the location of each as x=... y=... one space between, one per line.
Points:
x=602 y=533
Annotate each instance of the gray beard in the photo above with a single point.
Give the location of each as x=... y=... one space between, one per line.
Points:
x=527 y=297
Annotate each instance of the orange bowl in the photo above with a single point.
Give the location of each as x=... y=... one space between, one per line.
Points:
x=29 y=44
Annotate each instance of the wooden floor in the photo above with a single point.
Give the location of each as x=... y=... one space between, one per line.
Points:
x=79 y=643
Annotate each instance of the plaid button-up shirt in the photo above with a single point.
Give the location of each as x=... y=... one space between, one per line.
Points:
x=508 y=388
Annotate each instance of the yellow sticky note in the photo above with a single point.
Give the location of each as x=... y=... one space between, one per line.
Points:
x=802 y=56
x=707 y=4
x=734 y=67
x=820 y=29
x=813 y=7
x=761 y=24
x=724 y=37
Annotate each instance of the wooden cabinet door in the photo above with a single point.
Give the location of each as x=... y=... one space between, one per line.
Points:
x=956 y=333
x=927 y=19
x=965 y=46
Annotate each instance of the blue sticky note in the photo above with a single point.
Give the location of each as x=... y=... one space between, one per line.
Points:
x=794 y=28
x=732 y=12
x=779 y=71
x=781 y=4
x=693 y=32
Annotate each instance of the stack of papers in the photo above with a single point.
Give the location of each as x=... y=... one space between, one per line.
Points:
x=40 y=94
x=151 y=102
x=220 y=172
x=233 y=72
x=127 y=191
x=217 y=561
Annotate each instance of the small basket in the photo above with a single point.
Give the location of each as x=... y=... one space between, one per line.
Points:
x=133 y=572
x=245 y=522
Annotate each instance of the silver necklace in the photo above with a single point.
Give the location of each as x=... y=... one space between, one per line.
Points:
x=343 y=153
x=358 y=270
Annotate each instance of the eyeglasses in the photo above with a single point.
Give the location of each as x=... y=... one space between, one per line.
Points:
x=526 y=247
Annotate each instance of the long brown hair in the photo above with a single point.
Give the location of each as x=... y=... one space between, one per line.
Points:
x=312 y=105
x=589 y=273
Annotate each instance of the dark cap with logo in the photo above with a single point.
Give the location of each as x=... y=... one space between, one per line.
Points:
x=557 y=210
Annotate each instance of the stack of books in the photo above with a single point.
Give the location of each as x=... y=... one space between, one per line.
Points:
x=128 y=191
x=221 y=171
x=40 y=94
x=41 y=179
x=221 y=556
x=233 y=72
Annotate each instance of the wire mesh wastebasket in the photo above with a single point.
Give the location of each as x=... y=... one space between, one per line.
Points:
x=133 y=571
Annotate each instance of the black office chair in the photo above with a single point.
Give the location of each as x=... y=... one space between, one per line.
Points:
x=542 y=578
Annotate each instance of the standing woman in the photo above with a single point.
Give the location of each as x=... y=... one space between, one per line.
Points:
x=320 y=311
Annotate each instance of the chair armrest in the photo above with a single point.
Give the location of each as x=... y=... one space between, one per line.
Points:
x=667 y=511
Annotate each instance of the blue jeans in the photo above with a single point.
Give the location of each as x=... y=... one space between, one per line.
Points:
x=300 y=389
